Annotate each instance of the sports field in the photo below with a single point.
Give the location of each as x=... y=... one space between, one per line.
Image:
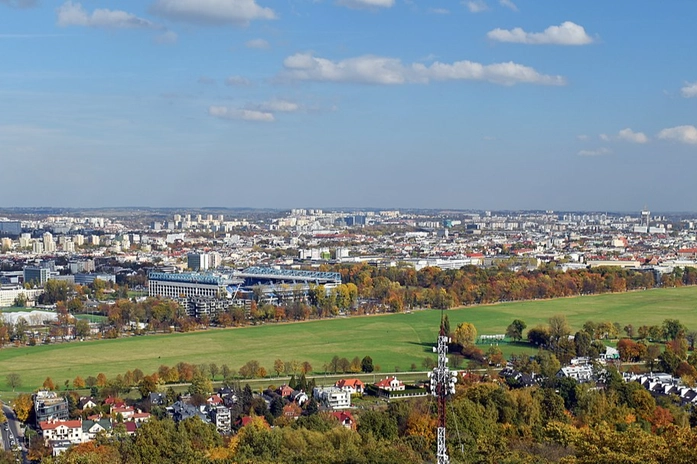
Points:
x=396 y=340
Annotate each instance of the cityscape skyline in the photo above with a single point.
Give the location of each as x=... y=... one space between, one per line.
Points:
x=477 y=105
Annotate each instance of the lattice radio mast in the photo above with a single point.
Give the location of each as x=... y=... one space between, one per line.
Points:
x=442 y=384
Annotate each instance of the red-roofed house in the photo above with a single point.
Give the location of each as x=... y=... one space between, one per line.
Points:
x=125 y=411
x=284 y=390
x=390 y=384
x=131 y=427
x=346 y=419
x=214 y=400
x=351 y=385
x=70 y=430
x=292 y=411
x=688 y=253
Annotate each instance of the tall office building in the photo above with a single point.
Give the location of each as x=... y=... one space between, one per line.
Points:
x=198 y=261
x=12 y=228
x=36 y=275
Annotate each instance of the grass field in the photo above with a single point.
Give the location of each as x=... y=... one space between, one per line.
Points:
x=396 y=340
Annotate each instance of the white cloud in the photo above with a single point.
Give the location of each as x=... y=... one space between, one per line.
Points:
x=597 y=152
x=629 y=135
x=441 y=11
x=257 y=43
x=276 y=106
x=689 y=90
x=567 y=33
x=369 y=69
x=238 y=12
x=582 y=137
x=626 y=135
x=73 y=14
x=684 y=134
x=362 y=4
x=234 y=81
x=224 y=112
x=508 y=4
x=205 y=80
x=476 y=6
x=168 y=37
x=20 y=3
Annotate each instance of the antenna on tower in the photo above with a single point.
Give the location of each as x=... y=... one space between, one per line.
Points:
x=442 y=384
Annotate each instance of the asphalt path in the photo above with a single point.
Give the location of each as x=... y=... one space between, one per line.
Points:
x=12 y=432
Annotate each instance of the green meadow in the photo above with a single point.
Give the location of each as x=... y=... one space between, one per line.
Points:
x=393 y=341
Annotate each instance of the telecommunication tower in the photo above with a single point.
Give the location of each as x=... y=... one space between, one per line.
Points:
x=442 y=384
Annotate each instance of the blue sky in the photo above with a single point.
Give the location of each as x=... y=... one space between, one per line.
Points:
x=482 y=104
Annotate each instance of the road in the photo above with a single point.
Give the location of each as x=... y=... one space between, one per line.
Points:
x=12 y=436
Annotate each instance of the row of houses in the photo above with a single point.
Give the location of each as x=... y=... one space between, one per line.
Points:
x=664 y=384
x=60 y=433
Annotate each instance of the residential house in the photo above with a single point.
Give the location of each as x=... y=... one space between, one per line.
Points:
x=180 y=411
x=285 y=391
x=581 y=373
x=390 y=384
x=91 y=428
x=126 y=412
x=292 y=411
x=214 y=400
x=87 y=402
x=59 y=447
x=352 y=386
x=346 y=419
x=332 y=397
x=140 y=417
x=299 y=397
x=70 y=430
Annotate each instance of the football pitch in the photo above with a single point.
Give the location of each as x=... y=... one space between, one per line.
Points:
x=394 y=341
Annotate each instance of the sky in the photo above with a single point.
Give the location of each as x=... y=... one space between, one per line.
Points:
x=481 y=104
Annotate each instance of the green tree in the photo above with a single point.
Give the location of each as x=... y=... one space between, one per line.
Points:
x=582 y=340
x=147 y=385
x=214 y=370
x=515 y=330
x=14 y=380
x=367 y=364
x=539 y=335
x=446 y=325
x=672 y=328
x=82 y=328
x=20 y=300
x=200 y=385
x=558 y=328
